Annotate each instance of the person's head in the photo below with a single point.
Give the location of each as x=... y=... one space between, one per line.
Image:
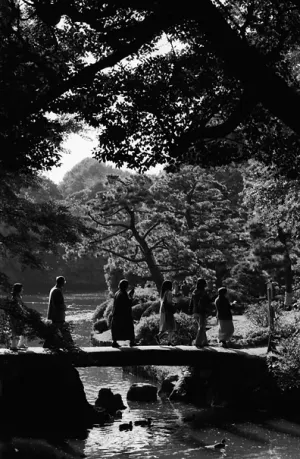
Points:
x=60 y=281
x=123 y=285
x=201 y=284
x=17 y=289
x=166 y=285
x=222 y=291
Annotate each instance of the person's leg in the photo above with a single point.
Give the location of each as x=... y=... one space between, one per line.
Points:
x=114 y=332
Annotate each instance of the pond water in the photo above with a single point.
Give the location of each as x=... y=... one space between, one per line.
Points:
x=170 y=436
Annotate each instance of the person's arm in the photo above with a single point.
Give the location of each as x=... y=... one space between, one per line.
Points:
x=131 y=293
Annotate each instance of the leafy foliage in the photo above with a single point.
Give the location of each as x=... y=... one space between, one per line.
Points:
x=285 y=368
x=87 y=176
x=196 y=102
x=259 y=313
x=273 y=203
x=31 y=226
x=33 y=325
x=177 y=225
x=148 y=327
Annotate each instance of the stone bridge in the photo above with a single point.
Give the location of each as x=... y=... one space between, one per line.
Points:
x=138 y=355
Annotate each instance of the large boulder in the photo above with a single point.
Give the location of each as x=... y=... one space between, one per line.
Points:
x=45 y=398
x=182 y=389
x=142 y=392
x=168 y=385
x=109 y=401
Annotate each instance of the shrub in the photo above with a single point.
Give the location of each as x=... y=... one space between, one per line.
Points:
x=148 y=327
x=32 y=325
x=259 y=313
x=145 y=294
x=99 y=311
x=152 y=308
x=108 y=313
x=186 y=328
x=100 y=326
x=255 y=338
x=285 y=367
x=138 y=310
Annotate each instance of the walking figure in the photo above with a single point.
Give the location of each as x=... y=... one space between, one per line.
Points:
x=199 y=307
x=224 y=317
x=17 y=324
x=122 y=322
x=167 y=324
x=57 y=314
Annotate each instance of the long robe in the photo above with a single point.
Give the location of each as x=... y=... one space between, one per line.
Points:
x=122 y=322
x=224 y=316
x=199 y=305
x=167 y=321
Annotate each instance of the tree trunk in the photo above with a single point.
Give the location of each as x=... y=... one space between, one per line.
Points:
x=155 y=271
x=156 y=274
x=288 y=299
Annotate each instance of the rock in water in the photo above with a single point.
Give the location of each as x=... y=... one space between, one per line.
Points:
x=142 y=392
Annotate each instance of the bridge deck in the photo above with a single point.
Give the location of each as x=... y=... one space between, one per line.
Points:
x=127 y=356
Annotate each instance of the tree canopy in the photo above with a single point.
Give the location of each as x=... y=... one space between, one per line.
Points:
x=227 y=89
x=32 y=224
x=178 y=225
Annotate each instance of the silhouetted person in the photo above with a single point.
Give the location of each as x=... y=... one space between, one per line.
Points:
x=122 y=322
x=17 y=325
x=167 y=324
x=199 y=307
x=57 y=312
x=224 y=316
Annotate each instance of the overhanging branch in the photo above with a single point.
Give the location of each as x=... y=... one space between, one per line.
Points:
x=145 y=31
x=124 y=257
x=243 y=109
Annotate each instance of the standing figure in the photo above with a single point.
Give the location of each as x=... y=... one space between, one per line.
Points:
x=57 y=313
x=122 y=322
x=224 y=316
x=17 y=310
x=199 y=307
x=167 y=324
